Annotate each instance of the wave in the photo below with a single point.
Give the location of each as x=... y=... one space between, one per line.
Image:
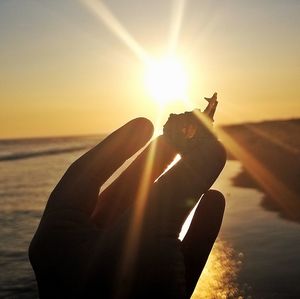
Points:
x=47 y=152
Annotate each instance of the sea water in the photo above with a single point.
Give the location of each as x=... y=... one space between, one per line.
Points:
x=257 y=254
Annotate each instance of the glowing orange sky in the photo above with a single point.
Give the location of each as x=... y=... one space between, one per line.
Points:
x=63 y=71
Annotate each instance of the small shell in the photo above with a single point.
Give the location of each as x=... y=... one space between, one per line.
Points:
x=189 y=129
x=186 y=130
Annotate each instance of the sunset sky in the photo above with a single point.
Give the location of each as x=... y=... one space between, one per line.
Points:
x=67 y=68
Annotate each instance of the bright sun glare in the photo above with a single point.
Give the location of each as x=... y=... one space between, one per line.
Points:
x=166 y=79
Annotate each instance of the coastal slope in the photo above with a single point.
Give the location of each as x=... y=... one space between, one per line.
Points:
x=275 y=147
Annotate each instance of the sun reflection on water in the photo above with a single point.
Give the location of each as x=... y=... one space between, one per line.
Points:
x=218 y=279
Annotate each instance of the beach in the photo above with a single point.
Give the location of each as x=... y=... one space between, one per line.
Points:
x=275 y=146
x=256 y=254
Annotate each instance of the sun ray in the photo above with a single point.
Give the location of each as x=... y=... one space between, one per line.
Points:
x=133 y=234
x=177 y=17
x=272 y=185
x=113 y=24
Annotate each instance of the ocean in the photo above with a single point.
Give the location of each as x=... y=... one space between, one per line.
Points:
x=256 y=254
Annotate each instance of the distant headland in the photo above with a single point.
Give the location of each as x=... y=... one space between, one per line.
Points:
x=275 y=148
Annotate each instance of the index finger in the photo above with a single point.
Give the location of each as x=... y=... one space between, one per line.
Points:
x=80 y=185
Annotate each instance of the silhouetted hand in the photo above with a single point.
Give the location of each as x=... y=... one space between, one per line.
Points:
x=124 y=243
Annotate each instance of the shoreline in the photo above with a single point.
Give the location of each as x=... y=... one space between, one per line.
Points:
x=275 y=145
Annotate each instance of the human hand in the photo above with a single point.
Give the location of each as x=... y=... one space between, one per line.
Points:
x=124 y=242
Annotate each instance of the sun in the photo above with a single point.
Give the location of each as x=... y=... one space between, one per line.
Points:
x=166 y=79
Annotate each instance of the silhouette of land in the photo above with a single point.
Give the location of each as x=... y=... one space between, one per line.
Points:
x=276 y=146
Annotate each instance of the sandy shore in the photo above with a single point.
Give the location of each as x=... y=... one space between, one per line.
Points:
x=275 y=147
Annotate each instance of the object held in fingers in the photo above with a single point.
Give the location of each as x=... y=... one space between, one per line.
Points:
x=189 y=129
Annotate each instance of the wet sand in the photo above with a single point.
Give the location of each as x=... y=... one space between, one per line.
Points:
x=276 y=146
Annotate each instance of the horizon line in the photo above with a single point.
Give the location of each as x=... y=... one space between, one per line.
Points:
x=106 y=133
